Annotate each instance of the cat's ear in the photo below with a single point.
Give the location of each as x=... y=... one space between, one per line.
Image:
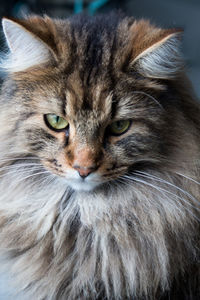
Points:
x=157 y=53
x=26 y=48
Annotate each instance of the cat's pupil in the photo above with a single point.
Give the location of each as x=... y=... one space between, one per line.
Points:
x=119 y=125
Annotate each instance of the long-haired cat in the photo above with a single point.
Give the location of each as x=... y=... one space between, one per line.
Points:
x=99 y=161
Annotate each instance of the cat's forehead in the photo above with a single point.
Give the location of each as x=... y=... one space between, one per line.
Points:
x=90 y=64
x=95 y=49
x=89 y=104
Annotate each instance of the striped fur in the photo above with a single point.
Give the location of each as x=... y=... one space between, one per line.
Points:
x=129 y=230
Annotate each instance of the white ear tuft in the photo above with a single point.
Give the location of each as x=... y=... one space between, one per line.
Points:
x=26 y=50
x=161 y=60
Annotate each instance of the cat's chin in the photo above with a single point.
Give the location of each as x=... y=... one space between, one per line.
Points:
x=80 y=185
x=88 y=184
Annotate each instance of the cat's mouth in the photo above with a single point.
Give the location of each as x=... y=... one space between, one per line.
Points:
x=82 y=184
x=94 y=180
x=74 y=179
x=89 y=183
x=85 y=182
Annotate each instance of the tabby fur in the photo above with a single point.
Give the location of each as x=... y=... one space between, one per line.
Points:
x=129 y=230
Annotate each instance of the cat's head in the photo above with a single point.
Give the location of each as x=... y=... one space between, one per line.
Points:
x=85 y=95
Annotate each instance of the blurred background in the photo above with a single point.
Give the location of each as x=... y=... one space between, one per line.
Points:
x=170 y=13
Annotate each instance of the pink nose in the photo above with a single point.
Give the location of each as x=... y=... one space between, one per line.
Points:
x=85 y=161
x=84 y=171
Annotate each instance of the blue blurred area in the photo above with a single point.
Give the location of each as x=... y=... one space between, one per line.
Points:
x=19 y=8
x=91 y=7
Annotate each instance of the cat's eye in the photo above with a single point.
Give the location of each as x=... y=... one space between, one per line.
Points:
x=119 y=127
x=56 y=122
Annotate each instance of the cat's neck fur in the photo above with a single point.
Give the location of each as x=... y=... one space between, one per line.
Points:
x=98 y=236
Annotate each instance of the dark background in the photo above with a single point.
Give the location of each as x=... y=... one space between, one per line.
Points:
x=164 y=13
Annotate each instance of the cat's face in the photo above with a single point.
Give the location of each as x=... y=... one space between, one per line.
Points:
x=93 y=140
x=93 y=119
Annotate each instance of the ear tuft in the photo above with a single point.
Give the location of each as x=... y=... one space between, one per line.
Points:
x=26 y=49
x=162 y=60
x=156 y=52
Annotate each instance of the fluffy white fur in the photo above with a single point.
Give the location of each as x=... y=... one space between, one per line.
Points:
x=162 y=60
x=46 y=209
x=26 y=50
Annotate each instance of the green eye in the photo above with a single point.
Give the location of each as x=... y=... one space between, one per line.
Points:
x=55 y=122
x=119 y=127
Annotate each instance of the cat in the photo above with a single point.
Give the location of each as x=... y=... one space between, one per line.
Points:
x=99 y=161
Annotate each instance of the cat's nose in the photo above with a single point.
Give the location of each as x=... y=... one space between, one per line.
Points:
x=84 y=171
x=85 y=161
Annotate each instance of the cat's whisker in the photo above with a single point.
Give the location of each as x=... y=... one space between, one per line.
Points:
x=20 y=166
x=132 y=179
x=18 y=158
x=32 y=175
x=149 y=96
x=18 y=179
x=153 y=177
x=42 y=182
x=135 y=178
x=20 y=170
x=127 y=183
x=14 y=155
x=189 y=178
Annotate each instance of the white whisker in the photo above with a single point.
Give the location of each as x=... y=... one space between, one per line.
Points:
x=135 y=178
x=189 y=178
x=149 y=96
x=7 y=159
x=19 y=167
x=32 y=175
x=42 y=182
x=150 y=176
